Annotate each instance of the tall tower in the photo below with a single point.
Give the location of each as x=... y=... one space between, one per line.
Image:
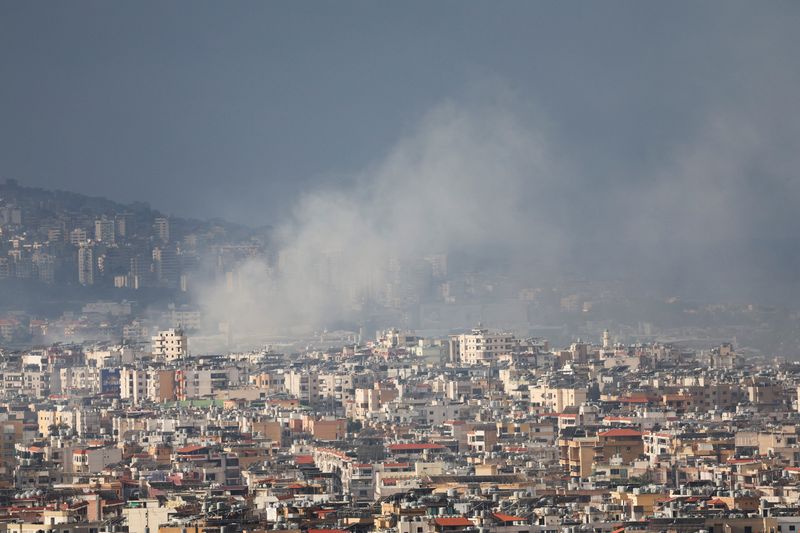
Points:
x=166 y=265
x=85 y=264
x=606 y=340
x=104 y=230
x=161 y=228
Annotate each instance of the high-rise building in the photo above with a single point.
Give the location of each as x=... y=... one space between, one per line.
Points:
x=45 y=266
x=10 y=215
x=161 y=228
x=85 y=264
x=77 y=236
x=165 y=261
x=104 y=230
x=122 y=224
x=138 y=273
x=11 y=432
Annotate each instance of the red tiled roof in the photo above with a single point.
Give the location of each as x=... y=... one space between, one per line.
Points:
x=454 y=521
x=191 y=449
x=303 y=460
x=507 y=517
x=637 y=399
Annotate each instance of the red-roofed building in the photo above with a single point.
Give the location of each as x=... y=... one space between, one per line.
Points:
x=455 y=523
x=717 y=503
x=622 y=442
x=396 y=467
x=508 y=519
x=194 y=449
x=639 y=399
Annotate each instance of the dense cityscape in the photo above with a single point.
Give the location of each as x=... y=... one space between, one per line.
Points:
x=430 y=266
x=475 y=431
x=114 y=417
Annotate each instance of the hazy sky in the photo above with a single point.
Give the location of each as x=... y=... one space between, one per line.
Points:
x=234 y=109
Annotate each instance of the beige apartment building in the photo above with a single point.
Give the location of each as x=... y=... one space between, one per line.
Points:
x=170 y=344
x=480 y=346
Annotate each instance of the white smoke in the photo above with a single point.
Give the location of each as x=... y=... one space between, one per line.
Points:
x=473 y=180
x=485 y=182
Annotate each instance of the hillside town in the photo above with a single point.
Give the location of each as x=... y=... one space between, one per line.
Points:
x=76 y=267
x=437 y=266
x=477 y=431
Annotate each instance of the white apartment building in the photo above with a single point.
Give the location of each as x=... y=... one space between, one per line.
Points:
x=77 y=236
x=104 y=230
x=556 y=398
x=132 y=384
x=203 y=383
x=170 y=344
x=480 y=346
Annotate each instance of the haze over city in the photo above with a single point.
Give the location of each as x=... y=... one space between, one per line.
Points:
x=399 y=267
x=648 y=144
